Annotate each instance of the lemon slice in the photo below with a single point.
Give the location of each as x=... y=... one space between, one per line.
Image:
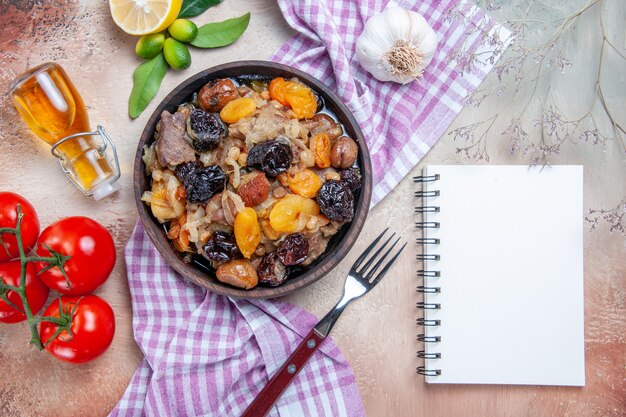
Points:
x=141 y=17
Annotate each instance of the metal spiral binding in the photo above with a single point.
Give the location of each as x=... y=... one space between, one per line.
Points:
x=427 y=289
x=425 y=355
x=428 y=339
x=428 y=372
x=423 y=193
x=425 y=257
x=427 y=209
x=426 y=322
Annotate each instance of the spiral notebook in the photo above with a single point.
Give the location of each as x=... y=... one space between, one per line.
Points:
x=502 y=275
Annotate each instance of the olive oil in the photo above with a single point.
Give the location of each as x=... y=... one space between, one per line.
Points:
x=52 y=108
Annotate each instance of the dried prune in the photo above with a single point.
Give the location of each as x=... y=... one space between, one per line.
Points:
x=206 y=130
x=203 y=183
x=221 y=246
x=271 y=270
x=351 y=178
x=184 y=170
x=293 y=250
x=272 y=157
x=336 y=201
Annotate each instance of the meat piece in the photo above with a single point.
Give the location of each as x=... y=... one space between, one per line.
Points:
x=171 y=147
x=254 y=189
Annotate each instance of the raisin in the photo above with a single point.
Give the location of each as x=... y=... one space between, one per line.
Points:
x=271 y=270
x=203 y=183
x=221 y=246
x=336 y=201
x=351 y=178
x=272 y=157
x=206 y=130
x=293 y=250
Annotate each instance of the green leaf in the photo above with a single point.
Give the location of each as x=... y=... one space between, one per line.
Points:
x=214 y=35
x=191 y=8
x=146 y=82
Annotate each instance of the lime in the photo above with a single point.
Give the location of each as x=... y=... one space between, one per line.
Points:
x=149 y=46
x=183 y=30
x=176 y=54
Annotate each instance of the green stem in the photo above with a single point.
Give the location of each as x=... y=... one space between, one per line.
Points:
x=57 y=260
x=60 y=321
x=45 y=259
x=5 y=286
x=32 y=324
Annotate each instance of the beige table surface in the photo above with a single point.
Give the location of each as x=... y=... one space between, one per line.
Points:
x=377 y=334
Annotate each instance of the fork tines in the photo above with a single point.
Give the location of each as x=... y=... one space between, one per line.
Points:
x=367 y=272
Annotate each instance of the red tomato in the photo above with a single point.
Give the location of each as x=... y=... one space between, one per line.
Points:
x=90 y=247
x=91 y=322
x=36 y=292
x=8 y=218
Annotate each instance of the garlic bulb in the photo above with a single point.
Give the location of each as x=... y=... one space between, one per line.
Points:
x=396 y=45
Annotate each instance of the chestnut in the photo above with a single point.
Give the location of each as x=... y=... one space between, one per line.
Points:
x=343 y=153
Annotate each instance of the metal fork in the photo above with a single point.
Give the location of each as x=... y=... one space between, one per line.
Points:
x=363 y=276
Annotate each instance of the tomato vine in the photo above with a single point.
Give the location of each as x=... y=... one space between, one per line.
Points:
x=56 y=260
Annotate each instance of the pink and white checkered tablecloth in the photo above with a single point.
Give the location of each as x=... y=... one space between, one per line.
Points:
x=400 y=122
x=208 y=355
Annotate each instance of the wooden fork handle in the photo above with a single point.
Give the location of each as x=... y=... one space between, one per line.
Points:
x=285 y=375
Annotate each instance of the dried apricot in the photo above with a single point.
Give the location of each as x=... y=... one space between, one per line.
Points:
x=277 y=89
x=301 y=99
x=237 y=109
x=305 y=183
x=298 y=96
x=178 y=236
x=320 y=146
x=247 y=231
x=291 y=213
x=239 y=273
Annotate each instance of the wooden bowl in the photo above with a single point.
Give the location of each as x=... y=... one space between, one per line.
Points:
x=338 y=246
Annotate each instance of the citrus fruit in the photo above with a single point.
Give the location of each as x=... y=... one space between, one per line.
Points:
x=183 y=30
x=176 y=54
x=142 y=17
x=149 y=46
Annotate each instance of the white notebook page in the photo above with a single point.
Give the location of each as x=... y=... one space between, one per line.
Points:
x=511 y=275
